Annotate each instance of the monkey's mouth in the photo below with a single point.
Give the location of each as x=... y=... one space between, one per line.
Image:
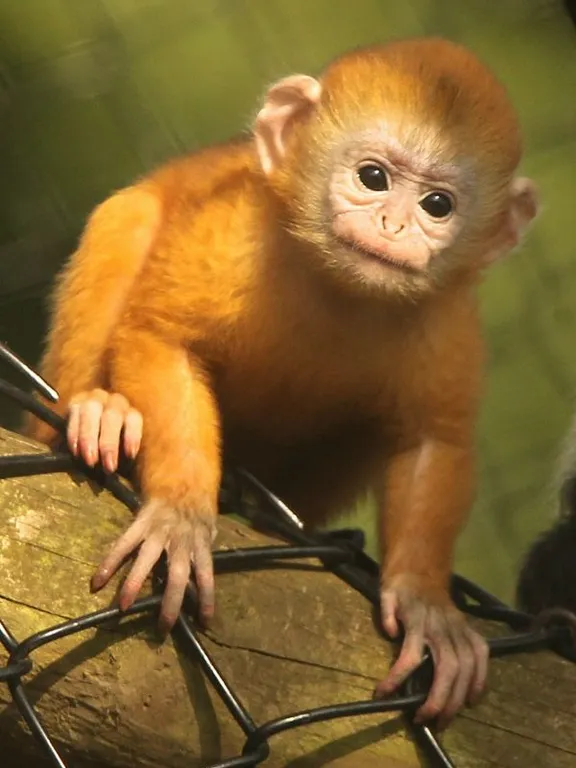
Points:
x=378 y=256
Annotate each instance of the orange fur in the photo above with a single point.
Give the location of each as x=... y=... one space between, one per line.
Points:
x=91 y=293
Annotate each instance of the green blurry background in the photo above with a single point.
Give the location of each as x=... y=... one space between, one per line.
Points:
x=94 y=92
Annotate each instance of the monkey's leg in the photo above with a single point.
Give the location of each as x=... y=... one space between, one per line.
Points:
x=179 y=467
x=423 y=499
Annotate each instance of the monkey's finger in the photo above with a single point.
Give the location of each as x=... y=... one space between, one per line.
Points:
x=133 y=425
x=482 y=657
x=409 y=658
x=123 y=547
x=73 y=427
x=388 y=609
x=204 y=573
x=111 y=425
x=76 y=409
x=89 y=430
x=148 y=555
x=178 y=575
x=447 y=669
x=461 y=686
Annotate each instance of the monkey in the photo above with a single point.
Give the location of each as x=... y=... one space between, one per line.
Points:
x=548 y=569
x=301 y=301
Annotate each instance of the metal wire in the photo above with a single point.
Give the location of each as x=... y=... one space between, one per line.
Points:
x=340 y=552
x=39 y=384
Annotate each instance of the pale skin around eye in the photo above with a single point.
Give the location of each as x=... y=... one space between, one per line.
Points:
x=391 y=222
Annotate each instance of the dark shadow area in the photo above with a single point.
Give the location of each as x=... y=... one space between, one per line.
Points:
x=347 y=745
x=208 y=726
x=22 y=326
x=105 y=638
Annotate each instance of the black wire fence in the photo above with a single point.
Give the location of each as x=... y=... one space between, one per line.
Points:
x=340 y=551
x=96 y=93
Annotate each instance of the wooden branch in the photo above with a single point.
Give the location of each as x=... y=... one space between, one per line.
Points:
x=287 y=638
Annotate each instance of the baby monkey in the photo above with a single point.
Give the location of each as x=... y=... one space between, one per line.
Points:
x=302 y=302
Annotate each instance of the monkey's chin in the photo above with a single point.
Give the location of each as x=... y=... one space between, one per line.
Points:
x=379 y=273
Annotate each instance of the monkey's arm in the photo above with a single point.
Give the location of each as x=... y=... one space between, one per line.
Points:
x=425 y=495
x=179 y=466
x=88 y=301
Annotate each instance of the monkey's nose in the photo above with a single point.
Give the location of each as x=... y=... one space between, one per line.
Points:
x=392 y=226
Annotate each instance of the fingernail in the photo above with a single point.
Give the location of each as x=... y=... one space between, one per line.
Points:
x=96 y=583
x=74 y=448
x=99 y=580
x=109 y=463
x=132 y=450
x=208 y=611
x=390 y=629
x=381 y=691
x=90 y=456
x=165 y=626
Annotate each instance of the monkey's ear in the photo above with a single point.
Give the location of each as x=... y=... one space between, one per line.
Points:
x=284 y=100
x=523 y=208
x=524 y=205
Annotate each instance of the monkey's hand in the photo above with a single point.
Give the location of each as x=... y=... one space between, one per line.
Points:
x=460 y=655
x=186 y=537
x=99 y=422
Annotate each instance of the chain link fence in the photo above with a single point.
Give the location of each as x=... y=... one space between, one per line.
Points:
x=341 y=552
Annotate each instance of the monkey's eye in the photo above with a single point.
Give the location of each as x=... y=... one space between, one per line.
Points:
x=437 y=204
x=373 y=177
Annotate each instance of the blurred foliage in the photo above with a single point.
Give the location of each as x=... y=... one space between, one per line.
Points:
x=93 y=93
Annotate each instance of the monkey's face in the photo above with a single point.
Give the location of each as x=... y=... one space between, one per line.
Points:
x=392 y=212
x=396 y=173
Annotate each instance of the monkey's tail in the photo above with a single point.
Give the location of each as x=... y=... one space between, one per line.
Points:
x=548 y=574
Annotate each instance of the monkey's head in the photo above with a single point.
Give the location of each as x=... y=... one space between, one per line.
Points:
x=398 y=164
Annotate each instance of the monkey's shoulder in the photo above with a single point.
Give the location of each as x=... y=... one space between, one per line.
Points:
x=214 y=212
x=209 y=174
